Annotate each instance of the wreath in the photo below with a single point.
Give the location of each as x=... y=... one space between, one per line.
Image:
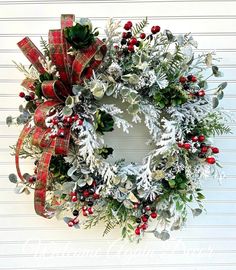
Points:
x=163 y=83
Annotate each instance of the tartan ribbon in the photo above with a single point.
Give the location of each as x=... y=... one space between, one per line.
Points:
x=71 y=71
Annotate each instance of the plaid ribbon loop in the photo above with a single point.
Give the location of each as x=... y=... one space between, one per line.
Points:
x=71 y=71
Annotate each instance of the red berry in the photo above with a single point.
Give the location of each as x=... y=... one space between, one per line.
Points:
x=74 y=199
x=130 y=23
x=85 y=213
x=31 y=179
x=124 y=35
x=215 y=150
x=32 y=95
x=201 y=93
x=133 y=41
x=86 y=193
x=201 y=138
x=182 y=79
x=96 y=196
x=210 y=160
x=21 y=94
x=55 y=121
x=187 y=146
x=81 y=122
x=194 y=138
x=84 y=208
x=75 y=221
x=142 y=35
x=71 y=223
x=204 y=149
x=136 y=206
x=90 y=210
x=76 y=117
x=131 y=48
x=194 y=79
x=144 y=226
x=137 y=231
x=144 y=218
x=127 y=26
x=155 y=29
x=116 y=47
x=180 y=145
x=61 y=132
x=147 y=208
x=153 y=214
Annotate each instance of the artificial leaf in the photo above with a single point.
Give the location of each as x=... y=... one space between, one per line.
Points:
x=13 y=178
x=215 y=102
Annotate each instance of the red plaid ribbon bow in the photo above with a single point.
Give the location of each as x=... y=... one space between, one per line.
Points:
x=71 y=72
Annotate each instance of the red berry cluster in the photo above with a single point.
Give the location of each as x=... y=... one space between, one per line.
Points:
x=73 y=222
x=129 y=41
x=203 y=150
x=186 y=84
x=31 y=179
x=86 y=195
x=59 y=123
x=143 y=220
x=29 y=97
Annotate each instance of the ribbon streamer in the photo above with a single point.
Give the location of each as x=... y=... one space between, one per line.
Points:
x=55 y=91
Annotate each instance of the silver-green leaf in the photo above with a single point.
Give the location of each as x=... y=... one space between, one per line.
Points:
x=13 y=178
x=215 y=102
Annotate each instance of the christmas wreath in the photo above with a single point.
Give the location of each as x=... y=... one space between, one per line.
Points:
x=162 y=82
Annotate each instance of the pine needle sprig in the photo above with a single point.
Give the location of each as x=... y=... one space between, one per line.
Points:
x=138 y=27
x=110 y=225
x=45 y=47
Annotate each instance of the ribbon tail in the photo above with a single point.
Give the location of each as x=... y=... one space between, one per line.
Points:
x=40 y=205
x=32 y=53
x=24 y=133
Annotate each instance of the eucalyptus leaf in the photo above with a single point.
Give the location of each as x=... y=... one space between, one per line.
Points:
x=19 y=189
x=13 y=178
x=77 y=226
x=208 y=60
x=110 y=90
x=156 y=234
x=222 y=86
x=71 y=171
x=21 y=108
x=67 y=111
x=215 y=102
x=9 y=120
x=26 y=176
x=133 y=198
x=164 y=235
x=131 y=78
x=128 y=204
x=220 y=95
x=196 y=212
x=67 y=219
x=116 y=180
x=169 y=35
x=215 y=70
x=128 y=184
x=124 y=91
x=98 y=93
x=26 y=191
x=70 y=101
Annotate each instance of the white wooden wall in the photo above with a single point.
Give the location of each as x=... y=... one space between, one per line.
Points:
x=30 y=242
